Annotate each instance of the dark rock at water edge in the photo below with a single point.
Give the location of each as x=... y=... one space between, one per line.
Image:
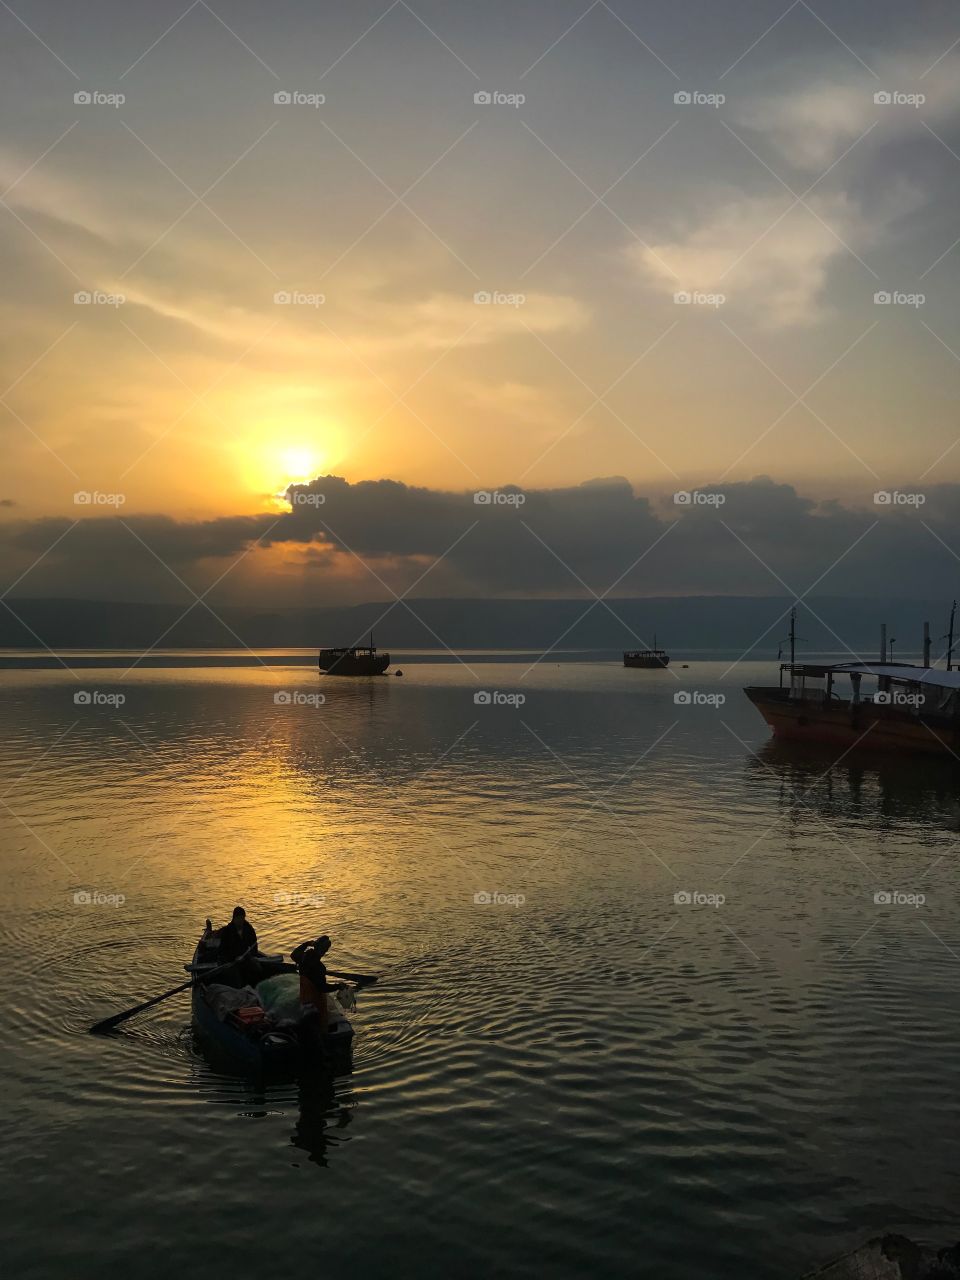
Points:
x=892 y=1257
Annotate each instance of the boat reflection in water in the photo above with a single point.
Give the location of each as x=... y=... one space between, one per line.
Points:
x=321 y=1104
x=874 y=786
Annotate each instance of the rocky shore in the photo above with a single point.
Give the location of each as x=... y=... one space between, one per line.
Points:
x=892 y=1257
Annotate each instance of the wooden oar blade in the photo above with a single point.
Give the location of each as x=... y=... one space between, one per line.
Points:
x=361 y=979
x=107 y=1024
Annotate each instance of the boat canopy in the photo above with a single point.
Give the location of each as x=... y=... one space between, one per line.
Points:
x=901 y=671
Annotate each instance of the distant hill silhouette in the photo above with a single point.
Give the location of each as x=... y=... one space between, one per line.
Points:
x=687 y=624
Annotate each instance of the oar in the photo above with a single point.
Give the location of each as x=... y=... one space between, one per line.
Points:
x=361 y=979
x=108 y=1024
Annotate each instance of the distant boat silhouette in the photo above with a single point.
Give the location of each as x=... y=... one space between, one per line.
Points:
x=358 y=660
x=647 y=658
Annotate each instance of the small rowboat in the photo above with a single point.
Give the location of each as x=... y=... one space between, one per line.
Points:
x=267 y=1045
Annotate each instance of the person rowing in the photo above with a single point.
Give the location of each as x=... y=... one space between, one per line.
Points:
x=238 y=939
x=308 y=958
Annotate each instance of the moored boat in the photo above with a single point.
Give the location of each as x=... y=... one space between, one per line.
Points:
x=913 y=709
x=647 y=658
x=355 y=660
x=249 y=1036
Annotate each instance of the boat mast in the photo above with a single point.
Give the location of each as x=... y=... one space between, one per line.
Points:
x=793 y=635
x=953 y=614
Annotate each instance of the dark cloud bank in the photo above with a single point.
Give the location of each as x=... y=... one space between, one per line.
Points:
x=510 y=555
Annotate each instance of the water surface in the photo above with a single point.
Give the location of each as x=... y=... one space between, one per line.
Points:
x=575 y=1074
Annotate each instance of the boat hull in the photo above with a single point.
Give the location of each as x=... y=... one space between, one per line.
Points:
x=646 y=662
x=346 y=664
x=847 y=724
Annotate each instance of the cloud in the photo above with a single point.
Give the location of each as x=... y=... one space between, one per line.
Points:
x=770 y=256
x=361 y=540
x=759 y=254
x=818 y=115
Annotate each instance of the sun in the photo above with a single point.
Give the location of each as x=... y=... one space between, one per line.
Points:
x=298 y=463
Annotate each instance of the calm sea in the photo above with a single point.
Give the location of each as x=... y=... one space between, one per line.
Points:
x=640 y=1010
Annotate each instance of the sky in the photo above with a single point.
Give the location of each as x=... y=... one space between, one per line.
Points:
x=676 y=285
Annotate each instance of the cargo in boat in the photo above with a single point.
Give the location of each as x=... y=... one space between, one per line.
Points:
x=250 y=1042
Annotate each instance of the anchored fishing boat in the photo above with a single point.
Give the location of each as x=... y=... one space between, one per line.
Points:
x=357 y=660
x=912 y=708
x=262 y=1028
x=650 y=659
